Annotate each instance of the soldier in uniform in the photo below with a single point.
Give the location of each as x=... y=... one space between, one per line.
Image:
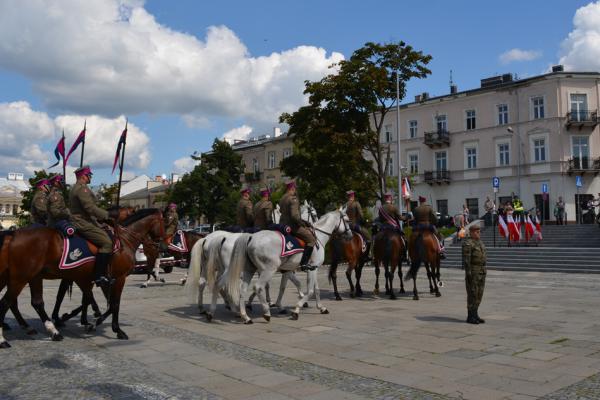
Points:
x=171 y=220
x=263 y=210
x=290 y=215
x=57 y=208
x=39 y=206
x=85 y=215
x=474 y=258
x=245 y=216
x=388 y=212
x=354 y=212
x=424 y=216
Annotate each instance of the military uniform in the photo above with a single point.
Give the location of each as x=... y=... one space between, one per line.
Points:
x=85 y=215
x=424 y=214
x=171 y=222
x=263 y=214
x=57 y=208
x=39 y=207
x=355 y=215
x=290 y=215
x=245 y=216
x=388 y=213
x=474 y=258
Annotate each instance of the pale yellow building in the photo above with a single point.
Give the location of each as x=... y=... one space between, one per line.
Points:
x=11 y=188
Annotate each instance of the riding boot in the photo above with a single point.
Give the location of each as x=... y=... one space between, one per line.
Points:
x=479 y=319
x=471 y=319
x=101 y=268
x=304 y=262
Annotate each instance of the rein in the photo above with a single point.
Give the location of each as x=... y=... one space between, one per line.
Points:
x=346 y=229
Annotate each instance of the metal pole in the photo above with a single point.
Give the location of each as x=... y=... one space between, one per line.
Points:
x=494 y=219
x=122 y=162
x=518 y=149
x=82 y=145
x=577 y=206
x=398 y=142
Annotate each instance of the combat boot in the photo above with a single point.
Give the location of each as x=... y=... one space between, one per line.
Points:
x=100 y=270
x=479 y=319
x=304 y=265
x=472 y=319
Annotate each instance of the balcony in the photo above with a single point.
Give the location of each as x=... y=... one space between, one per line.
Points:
x=437 y=138
x=581 y=165
x=252 y=177
x=439 y=177
x=582 y=118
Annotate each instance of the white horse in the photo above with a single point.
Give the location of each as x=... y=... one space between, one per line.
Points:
x=262 y=252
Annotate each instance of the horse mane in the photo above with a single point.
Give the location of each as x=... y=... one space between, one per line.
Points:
x=143 y=213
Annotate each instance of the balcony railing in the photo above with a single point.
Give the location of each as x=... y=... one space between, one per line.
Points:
x=582 y=118
x=439 y=177
x=581 y=165
x=252 y=176
x=437 y=138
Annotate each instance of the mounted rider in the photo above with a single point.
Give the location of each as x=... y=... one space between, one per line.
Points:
x=39 y=206
x=355 y=215
x=290 y=215
x=57 y=207
x=245 y=215
x=171 y=220
x=85 y=215
x=389 y=215
x=425 y=219
x=263 y=210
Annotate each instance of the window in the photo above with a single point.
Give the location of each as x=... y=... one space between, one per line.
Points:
x=471 y=154
x=15 y=209
x=470 y=119
x=538 y=107
x=271 y=160
x=287 y=153
x=442 y=207
x=440 y=161
x=581 y=152
x=441 y=123
x=503 y=154
x=390 y=166
x=502 y=114
x=539 y=150
x=412 y=129
x=579 y=107
x=413 y=163
x=473 y=206
x=255 y=165
x=388 y=133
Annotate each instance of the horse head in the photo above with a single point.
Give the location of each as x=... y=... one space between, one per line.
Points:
x=308 y=212
x=146 y=222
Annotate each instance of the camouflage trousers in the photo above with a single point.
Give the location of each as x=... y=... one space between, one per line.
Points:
x=306 y=235
x=475 y=283
x=94 y=234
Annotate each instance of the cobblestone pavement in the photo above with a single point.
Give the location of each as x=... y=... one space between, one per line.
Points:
x=540 y=341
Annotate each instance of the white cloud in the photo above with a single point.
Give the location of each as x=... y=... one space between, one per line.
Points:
x=23 y=130
x=513 y=55
x=184 y=164
x=581 y=49
x=240 y=133
x=111 y=57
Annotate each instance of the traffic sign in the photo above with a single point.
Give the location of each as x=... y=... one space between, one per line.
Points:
x=495 y=182
x=578 y=181
x=544 y=188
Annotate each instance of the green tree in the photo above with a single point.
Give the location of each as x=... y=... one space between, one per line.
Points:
x=345 y=116
x=212 y=188
x=107 y=195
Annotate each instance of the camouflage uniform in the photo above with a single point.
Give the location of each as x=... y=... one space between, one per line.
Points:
x=290 y=215
x=424 y=215
x=85 y=215
x=245 y=216
x=388 y=210
x=39 y=207
x=354 y=212
x=263 y=214
x=171 y=222
x=57 y=208
x=474 y=259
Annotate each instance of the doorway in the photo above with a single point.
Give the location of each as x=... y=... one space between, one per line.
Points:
x=543 y=204
x=581 y=208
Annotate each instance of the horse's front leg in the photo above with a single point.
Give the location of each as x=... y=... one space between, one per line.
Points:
x=430 y=277
x=349 y=277
x=402 y=291
x=14 y=308
x=313 y=275
x=386 y=269
x=60 y=296
x=309 y=291
x=414 y=267
x=376 y=291
x=358 y=273
x=116 y=306
x=246 y=279
x=391 y=277
x=37 y=302
x=259 y=287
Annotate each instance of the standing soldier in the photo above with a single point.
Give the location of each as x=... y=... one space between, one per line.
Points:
x=57 y=208
x=171 y=221
x=290 y=215
x=39 y=206
x=425 y=217
x=354 y=211
x=263 y=210
x=245 y=216
x=474 y=258
x=85 y=215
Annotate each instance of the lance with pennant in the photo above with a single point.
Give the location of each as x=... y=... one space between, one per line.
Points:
x=120 y=158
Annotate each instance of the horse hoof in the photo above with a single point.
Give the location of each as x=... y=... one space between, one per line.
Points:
x=393 y=297
x=283 y=311
x=376 y=292
x=57 y=337
x=4 y=345
x=415 y=297
x=295 y=316
x=31 y=331
x=97 y=314
x=440 y=284
x=6 y=327
x=305 y=305
x=272 y=305
x=352 y=295
x=183 y=282
x=324 y=311
x=248 y=307
x=209 y=317
x=431 y=291
x=89 y=328
x=359 y=294
x=162 y=280
x=438 y=294
x=249 y=322
x=338 y=298
x=267 y=317
x=65 y=317
x=143 y=286
x=402 y=291
x=122 y=336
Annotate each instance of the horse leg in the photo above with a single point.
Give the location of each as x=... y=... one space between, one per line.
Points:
x=333 y=279
x=391 y=277
x=402 y=291
x=37 y=302
x=312 y=275
x=414 y=267
x=14 y=308
x=86 y=300
x=310 y=290
x=246 y=278
x=435 y=276
x=156 y=271
x=358 y=273
x=386 y=269
x=349 y=277
x=259 y=288
x=376 y=291
x=4 y=306
x=115 y=300
x=60 y=296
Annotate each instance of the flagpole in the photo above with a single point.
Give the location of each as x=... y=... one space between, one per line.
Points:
x=82 y=145
x=63 y=157
x=121 y=163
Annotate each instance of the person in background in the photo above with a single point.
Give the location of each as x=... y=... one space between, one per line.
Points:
x=474 y=259
x=465 y=213
x=489 y=207
x=559 y=211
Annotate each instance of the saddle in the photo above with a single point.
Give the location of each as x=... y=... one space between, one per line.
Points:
x=78 y=251
x=65 y=228
x=422 y=227
x=290 y=245
x=178 y=242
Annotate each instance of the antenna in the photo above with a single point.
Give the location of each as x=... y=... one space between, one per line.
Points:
x=451 y=82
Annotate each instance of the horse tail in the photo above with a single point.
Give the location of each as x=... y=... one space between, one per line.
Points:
x=213 y=264
x=239 y=260
x=194 y=271
x=416 y=264
x=387 y=254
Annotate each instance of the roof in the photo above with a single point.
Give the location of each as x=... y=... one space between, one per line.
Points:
x=142 y=193
x=13 y=187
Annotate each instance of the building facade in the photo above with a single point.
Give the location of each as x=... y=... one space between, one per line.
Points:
x=11 y=188
x=534 y=134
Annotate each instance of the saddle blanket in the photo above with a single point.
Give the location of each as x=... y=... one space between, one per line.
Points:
x=77 y=251
x=290 y=245
x=363 y=243
x=178 y=242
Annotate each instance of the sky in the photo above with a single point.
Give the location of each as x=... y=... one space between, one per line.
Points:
x=186 y=72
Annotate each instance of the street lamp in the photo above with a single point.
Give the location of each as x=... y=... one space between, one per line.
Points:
x=398 y=141
x=510 y=129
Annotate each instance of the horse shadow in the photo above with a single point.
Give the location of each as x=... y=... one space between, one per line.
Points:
x=439 y=318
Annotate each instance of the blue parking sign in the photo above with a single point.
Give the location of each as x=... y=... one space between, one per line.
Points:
x=495 y=182
x=544 y=188
x=578 y=181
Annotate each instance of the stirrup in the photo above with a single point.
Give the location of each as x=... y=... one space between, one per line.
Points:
x=306 y=268
x=103 y=281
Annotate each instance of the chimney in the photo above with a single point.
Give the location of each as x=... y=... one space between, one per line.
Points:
x=453 y=89
x=276 y=132
x=558 y=68
x=424 y=96
x=157 y=178
x=418 y=98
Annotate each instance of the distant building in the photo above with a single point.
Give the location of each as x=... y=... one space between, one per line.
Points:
x=11 y=188
x=149 y=195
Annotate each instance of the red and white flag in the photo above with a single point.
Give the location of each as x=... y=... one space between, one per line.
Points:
x=530 y=229
x=502 y=227
x=538 y=228
x=406 y=192
x=513 y=229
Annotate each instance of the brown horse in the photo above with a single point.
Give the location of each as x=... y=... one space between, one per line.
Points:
x=351 y=251
x=388 y=248
x=27 y=266
x=423 y=248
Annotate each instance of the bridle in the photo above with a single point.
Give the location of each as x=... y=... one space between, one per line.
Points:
x=342 y=220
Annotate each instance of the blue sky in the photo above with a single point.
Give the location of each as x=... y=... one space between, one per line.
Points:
x=466 y=37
